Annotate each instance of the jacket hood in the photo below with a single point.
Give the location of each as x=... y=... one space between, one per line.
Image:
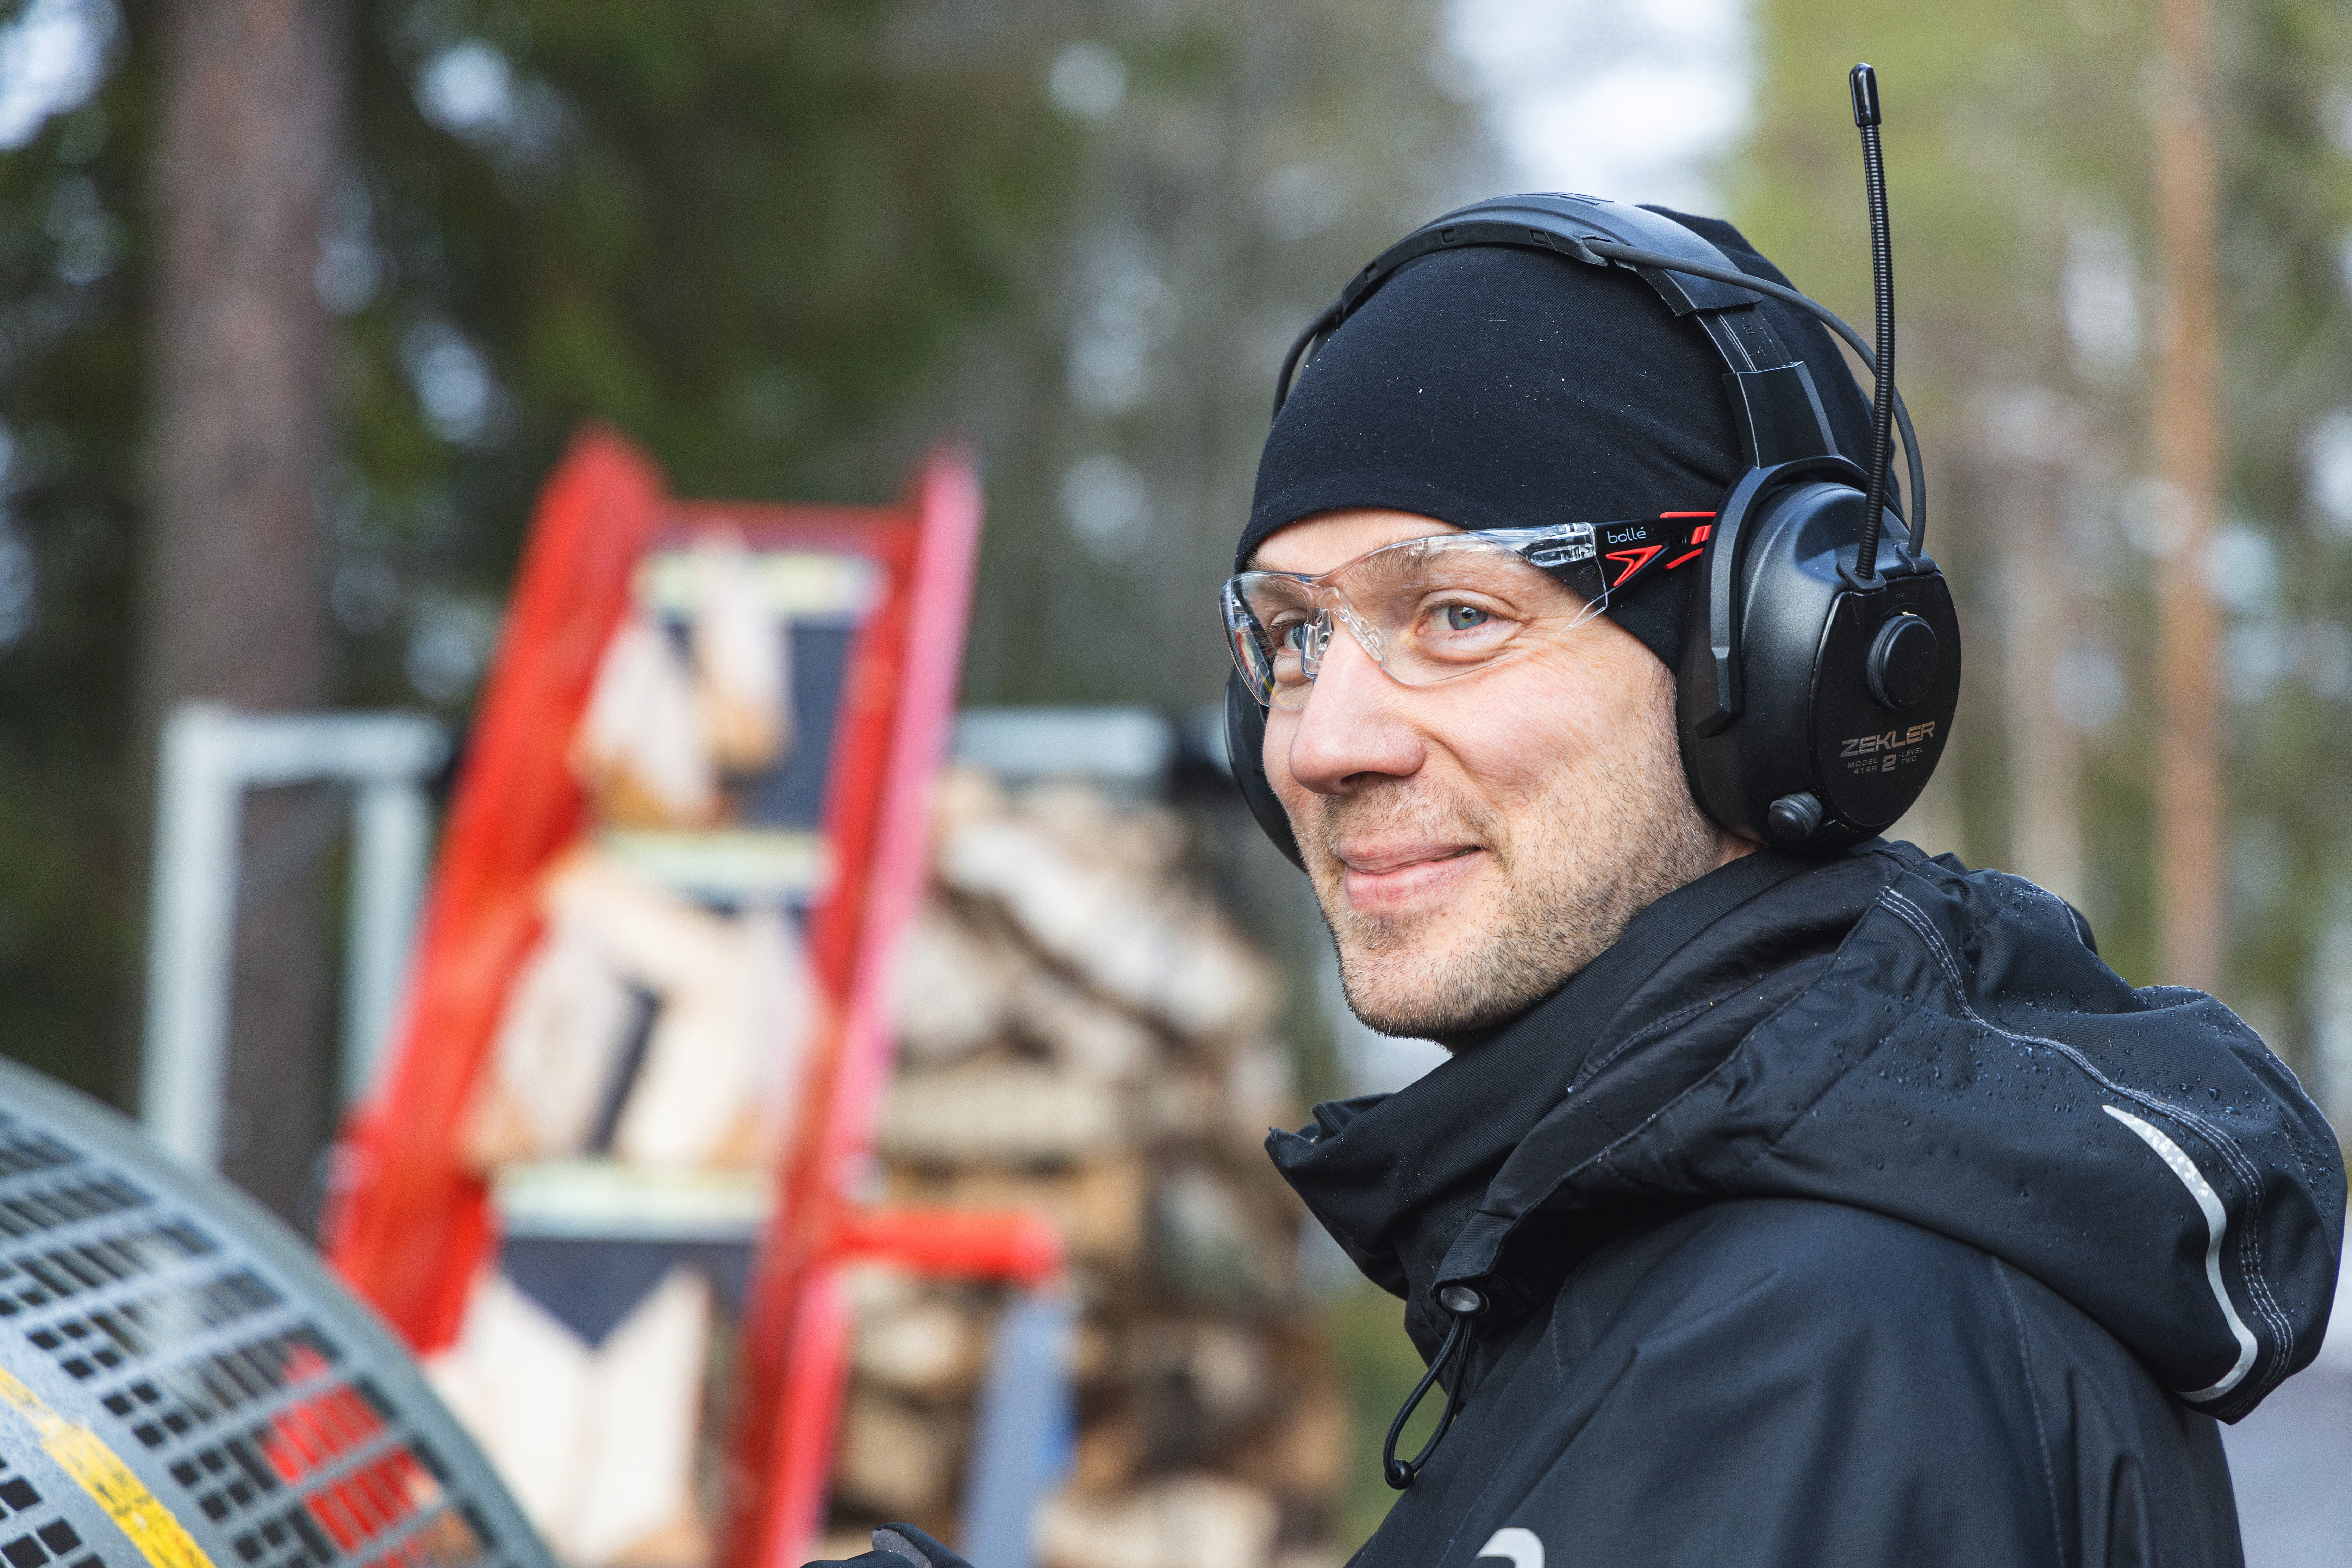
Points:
x=1884 y=1031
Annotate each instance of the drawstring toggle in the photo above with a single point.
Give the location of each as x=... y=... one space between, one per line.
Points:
x=1464 y=1304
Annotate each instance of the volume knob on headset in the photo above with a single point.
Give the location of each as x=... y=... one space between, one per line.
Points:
x=1903 y=662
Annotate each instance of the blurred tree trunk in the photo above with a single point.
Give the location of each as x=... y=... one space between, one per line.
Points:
x=2187 y=442
x=253 y=105
x=2046 y=761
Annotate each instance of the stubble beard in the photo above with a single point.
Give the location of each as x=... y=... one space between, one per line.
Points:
x=1609 y=839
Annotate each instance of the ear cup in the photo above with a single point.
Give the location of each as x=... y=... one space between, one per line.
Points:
x=1840 y=700
x=1886 y=684
x=1245 y=751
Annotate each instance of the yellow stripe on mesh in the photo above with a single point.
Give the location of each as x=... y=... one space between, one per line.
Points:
x=82 y=1454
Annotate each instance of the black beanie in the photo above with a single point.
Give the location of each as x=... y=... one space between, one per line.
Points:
x=1498 y=387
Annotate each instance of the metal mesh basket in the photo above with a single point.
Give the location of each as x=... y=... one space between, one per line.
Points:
x=181 y=1386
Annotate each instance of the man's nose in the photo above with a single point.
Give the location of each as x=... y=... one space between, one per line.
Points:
x=1352 y=729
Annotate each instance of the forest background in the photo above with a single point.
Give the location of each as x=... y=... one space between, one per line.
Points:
x=783 y=246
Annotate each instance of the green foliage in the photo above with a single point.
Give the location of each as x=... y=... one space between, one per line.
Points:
x=72 y=317
x=2286 y=227
x=2009 y=126
x=1259 y=156
x=742 y=231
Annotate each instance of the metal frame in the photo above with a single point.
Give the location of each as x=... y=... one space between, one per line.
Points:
x=212 y=754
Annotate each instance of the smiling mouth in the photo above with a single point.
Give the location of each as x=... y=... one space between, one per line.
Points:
x=1388 y=865
x=1374 y=884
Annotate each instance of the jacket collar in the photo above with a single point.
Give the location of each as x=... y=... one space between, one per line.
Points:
x=1396 y=1178
x=1894 y=1033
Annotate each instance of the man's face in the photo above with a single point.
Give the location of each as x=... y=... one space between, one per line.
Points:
x=1475 y=842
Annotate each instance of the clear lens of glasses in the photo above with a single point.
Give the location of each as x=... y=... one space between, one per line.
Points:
x=1425 y=610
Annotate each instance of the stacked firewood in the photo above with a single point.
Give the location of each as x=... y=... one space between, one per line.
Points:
x=1084 y=1033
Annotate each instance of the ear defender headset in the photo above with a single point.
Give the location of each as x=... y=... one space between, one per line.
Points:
x=1820 y=673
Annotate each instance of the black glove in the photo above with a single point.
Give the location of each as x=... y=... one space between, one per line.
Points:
x=900 y=1546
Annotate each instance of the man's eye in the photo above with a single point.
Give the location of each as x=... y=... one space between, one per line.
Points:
x=1462 y=617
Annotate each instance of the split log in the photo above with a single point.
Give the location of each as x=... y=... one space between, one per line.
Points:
x=925 y=1347
x=597 y=1442
x=999 y=1114
x=1305 y=1452
x=1197 y=1520
x=1163 y=954
x=1098 y=1206
x=733 y=1007
x=725 y=1051
x=1081 y=1035
x=955 y=990
x=560 y=1042
x=892 y=1457
x=743 y=684
x=1109 y=1454
x=1211 y=1376
x=640 y=751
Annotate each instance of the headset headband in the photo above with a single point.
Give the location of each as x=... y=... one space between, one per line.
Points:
x=1774 y=403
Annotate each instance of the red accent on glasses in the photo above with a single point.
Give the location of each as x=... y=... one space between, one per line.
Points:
x=1634 y=561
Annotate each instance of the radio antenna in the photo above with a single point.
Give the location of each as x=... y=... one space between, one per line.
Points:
x=1862 y=83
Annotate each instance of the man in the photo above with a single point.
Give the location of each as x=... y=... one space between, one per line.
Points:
x=1771 y=1210
x=1782 y=1211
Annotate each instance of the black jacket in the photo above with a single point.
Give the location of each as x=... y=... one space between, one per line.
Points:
x=1849 y=1213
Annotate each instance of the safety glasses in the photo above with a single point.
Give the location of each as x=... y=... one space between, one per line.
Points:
x=1430 y=609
